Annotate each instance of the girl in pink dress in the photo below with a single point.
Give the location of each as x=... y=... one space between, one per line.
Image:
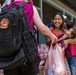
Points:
x=57 y=26
x=71 y=49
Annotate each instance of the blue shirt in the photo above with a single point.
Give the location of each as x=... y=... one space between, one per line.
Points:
x=49 y=25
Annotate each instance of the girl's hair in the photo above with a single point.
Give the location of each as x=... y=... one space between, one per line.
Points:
x=61 y=17
x=74 y=33
x=69 y=24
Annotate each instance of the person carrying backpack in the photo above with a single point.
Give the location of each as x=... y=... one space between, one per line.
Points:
x=31 y=68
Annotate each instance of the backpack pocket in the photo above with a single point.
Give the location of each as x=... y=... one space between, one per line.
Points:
x=29 y=45
x=13 y=61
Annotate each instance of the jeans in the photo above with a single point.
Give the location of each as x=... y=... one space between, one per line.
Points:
x=72 y=64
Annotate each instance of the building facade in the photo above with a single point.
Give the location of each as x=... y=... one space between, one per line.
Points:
x=47 y=8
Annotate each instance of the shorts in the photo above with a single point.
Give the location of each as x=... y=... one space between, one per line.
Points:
x=31 y=68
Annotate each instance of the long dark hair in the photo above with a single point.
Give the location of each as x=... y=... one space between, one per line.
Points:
x=61 y=17
x=74 y=33
x=69 y=24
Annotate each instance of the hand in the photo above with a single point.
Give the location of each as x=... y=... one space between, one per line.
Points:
x=59 y=39
x=53 y=39
x=69 y=33
x=66 y=43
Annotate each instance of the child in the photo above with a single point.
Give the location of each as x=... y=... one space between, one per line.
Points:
x=69 y=24
x=71 y=49
x=70 y=45
x=57 y=25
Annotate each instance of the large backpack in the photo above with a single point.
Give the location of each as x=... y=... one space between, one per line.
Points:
x=17 y=41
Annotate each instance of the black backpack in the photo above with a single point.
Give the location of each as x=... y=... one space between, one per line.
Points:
x=17 y=41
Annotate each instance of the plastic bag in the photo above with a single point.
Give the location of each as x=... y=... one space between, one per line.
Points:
x=49 y=63
x=43 y=51
x=59 y=60
x=67 y=66
x=55 y=62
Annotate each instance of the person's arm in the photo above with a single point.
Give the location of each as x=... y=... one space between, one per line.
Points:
x=41 y=27
x=63 y=37
x=48 y=39
x=71 y=41
x=66 y=35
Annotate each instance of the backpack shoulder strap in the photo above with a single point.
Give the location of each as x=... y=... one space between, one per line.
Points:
x=23 y=3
